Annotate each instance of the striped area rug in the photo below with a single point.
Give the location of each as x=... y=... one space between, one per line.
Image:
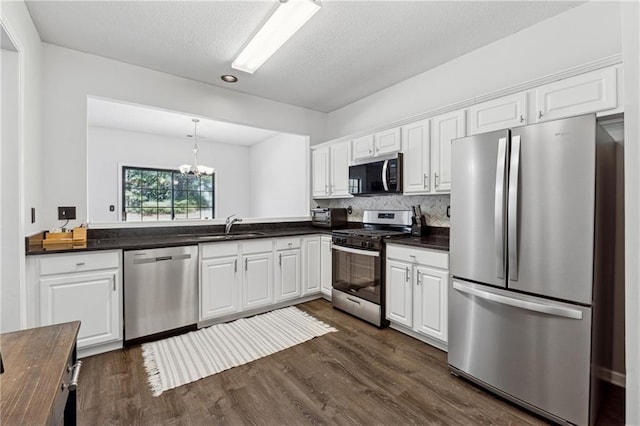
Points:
x=189 y=357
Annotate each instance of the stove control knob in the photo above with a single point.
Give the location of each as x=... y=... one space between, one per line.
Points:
x=371 y=244
x=363 y=244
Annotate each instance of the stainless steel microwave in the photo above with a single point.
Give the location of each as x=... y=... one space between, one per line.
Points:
x=382 y=176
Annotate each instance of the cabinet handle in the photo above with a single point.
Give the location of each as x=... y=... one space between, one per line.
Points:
x=426 y=181
x=435 y=180
x=418 y=279
x=407 y=274
x=235 y=266
x=80 y=263
x=113 y=283
x=280 y=260
x=326 y=189
x=540 y=114
x=370 y=152
x=377 y=149
x=245 y=263
x=521 y=118
x=73 y=384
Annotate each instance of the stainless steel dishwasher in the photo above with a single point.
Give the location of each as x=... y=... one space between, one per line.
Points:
x=160 y=290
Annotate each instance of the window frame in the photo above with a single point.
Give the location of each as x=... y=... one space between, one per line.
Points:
x=123 y=204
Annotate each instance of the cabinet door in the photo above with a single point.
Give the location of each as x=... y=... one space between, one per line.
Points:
x=219 y=287
x=288 y=276
x=362 y=147
x=320 y=167
x=399 y=293
x=582 y=94
x=416 y=147
x=497 y=114
x=310 y=265
x=387 y=142
x=91 y=298
x=444 y=129
x=340 y=169
x=431 y=302
x=325 y=266
x=257 y=285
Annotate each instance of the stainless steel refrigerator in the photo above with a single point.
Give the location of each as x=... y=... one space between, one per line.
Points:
x=532 y=228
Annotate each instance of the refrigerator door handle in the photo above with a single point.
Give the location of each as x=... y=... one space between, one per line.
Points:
x=499 y=206
x=514 y=174
x=545 y=308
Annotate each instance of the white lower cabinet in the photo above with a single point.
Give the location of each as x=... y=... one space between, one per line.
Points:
x=257 y=282
x=219 y=280
x=288 y=274
x=311 y=265
x=325 y=266
x=416 y=293
x=84 y=287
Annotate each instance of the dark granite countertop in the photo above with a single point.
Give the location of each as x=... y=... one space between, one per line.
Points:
x=436 y=238
x=145 y=238
x=434 y=242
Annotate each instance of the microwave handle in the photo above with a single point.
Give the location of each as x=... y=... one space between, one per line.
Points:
x=385 y=167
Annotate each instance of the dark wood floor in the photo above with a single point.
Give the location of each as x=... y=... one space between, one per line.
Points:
x=359 y=375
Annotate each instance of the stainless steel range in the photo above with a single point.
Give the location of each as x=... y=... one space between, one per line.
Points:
x=358 y=263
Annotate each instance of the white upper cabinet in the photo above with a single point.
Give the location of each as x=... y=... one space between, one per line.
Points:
x=362 y=147
x=381 y=143
x=590 y=92
x=416 y=147
x=445 y=128
x=387 y=142
x=320 y=170
x=496 y=114
x=330 y=171
x=340 y=170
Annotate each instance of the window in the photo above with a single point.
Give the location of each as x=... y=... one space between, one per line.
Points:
x=160 y=194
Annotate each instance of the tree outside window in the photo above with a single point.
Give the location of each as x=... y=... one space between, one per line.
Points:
x=160 y=194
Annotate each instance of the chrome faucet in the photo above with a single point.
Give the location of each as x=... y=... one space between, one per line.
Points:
x=229 y=223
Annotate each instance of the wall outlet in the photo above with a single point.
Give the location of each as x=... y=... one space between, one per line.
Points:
x=66 y=213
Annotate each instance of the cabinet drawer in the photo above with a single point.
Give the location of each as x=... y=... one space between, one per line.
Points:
x=287 y=243
x=434 y=258
x=219 y=250
x=65 y=263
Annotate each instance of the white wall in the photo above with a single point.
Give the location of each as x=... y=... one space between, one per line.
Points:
x=10 y=219
x=71 y=76
x=288 y=183
x=630 y=14
x=581 y=35
x=18 y=25
x=107 y=148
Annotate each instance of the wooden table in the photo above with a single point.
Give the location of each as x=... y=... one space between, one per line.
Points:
x=38 y=368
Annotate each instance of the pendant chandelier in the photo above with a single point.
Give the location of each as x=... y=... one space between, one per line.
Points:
x=195 y=169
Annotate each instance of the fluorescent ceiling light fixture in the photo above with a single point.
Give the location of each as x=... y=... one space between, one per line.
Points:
x=288 y=18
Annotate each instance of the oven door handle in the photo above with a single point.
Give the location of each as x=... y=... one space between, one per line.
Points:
x=369 y=253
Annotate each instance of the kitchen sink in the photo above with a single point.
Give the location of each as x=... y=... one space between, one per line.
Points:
x=231 y=236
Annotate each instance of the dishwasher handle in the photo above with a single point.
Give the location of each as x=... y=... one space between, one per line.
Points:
x=139 y=261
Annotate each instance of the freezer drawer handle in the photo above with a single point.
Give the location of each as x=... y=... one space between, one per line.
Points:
x=545 y=308
x=356 y=251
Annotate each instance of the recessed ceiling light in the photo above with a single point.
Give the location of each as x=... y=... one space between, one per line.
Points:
x=228 y=78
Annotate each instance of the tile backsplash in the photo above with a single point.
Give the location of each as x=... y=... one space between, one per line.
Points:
x=434 y=207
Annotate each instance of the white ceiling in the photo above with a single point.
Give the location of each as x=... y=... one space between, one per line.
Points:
x=347 y=51
x=138 y=118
